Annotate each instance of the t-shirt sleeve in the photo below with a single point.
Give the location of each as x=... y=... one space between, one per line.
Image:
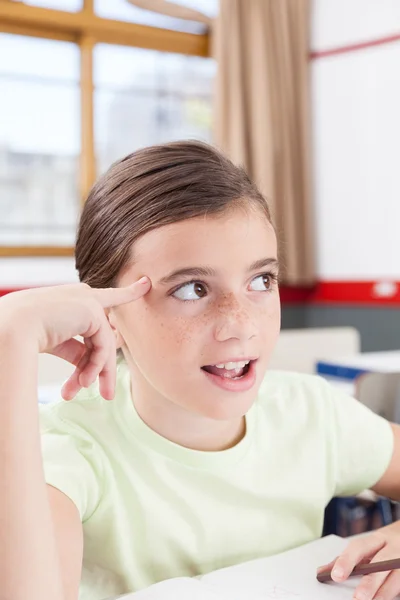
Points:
x=362 y=443
x=71 y=462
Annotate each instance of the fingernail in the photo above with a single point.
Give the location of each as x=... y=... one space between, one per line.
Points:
x=143 y=280
x=338 y=572
x=361 y=596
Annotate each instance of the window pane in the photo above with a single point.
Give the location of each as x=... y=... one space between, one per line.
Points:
x=39 y=141
x=124 y=11
x=145 y=97
x=70 y=5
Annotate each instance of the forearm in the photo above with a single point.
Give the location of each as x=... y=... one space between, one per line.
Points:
x=29 y=565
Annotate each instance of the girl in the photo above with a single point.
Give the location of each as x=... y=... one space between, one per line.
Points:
x=185 y=456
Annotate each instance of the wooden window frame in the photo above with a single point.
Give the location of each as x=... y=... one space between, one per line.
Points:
x=86 y=29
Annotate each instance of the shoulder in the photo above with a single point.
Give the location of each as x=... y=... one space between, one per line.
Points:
x=286 y=386
x=300 y=399
x=312 y=400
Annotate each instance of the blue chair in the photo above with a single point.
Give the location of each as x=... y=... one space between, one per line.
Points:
x=342 y=513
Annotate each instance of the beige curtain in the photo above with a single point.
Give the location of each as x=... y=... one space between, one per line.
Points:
x=263 y=114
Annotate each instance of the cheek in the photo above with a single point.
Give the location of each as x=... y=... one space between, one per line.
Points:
x=184 y=335
x=267 y=305
x=147 y=331
x=268 y=316
x=273 y=309
x=274 y=323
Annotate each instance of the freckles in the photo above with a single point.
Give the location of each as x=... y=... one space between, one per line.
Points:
x=226 y=302
x=182 y=337
x=240 y=317
x=227 y=305
x=187 y=330
x=206 y=321
x=182 y=331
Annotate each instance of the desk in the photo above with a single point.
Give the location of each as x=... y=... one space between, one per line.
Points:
x=348 y=368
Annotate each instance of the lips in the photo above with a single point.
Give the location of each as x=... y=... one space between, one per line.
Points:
x=236 y=379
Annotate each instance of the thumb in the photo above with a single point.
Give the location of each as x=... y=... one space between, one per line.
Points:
x=359 y=550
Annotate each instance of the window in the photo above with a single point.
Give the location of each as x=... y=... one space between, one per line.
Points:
x=145 y=97
x=124 y=11
x=69 y=5
x=77 y=93
x=39 y=141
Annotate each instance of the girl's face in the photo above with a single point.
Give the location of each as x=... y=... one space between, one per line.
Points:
x=213 y=307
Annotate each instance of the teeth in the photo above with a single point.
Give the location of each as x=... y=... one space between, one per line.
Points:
x=233 y=365
x=237 y=371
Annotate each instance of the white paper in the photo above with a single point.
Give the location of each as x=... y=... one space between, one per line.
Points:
x=181 y=588
x=287 y=576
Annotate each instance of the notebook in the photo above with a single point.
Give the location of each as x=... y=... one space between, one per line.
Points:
x=287 y=576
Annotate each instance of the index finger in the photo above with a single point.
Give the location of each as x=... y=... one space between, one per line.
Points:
x=109 y=297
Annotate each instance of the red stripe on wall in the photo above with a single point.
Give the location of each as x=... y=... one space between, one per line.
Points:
x=374 y=293
x=5 y=291
x=355 y=47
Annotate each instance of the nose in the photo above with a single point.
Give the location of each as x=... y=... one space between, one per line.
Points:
x=233 y=320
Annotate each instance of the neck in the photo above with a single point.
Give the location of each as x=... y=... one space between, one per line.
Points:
x=182 y=426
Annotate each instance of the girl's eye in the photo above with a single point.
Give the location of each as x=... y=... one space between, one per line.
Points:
x=262 y=283
x=193 y=290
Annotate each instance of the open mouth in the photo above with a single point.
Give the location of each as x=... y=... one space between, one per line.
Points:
x=238 y=376
x=230 y=370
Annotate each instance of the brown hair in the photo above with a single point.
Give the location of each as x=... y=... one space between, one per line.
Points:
x=152 y=187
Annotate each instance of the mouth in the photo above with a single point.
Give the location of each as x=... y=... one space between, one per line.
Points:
x=237 y=375
x=229 y=370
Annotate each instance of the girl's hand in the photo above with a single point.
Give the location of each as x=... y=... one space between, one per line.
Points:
x=382 y=544
x=53 y=316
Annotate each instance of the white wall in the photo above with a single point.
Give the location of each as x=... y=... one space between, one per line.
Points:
x=20 y=272
x=356 y=138
x=344 y=22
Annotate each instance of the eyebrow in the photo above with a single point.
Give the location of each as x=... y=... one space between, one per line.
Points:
x=262 y=263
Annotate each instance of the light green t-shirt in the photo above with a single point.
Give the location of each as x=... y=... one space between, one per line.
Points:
x=152 y=510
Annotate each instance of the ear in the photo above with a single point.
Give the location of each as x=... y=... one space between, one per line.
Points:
x=112 y=320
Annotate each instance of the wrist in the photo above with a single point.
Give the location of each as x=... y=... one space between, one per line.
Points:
x=17 y=330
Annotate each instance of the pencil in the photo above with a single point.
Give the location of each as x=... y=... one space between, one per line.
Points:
x=364 y=569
